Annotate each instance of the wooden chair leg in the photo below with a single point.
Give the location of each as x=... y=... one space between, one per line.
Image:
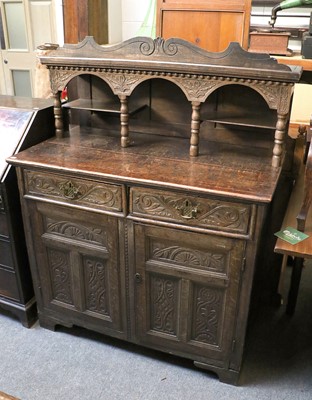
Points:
x=294 y=285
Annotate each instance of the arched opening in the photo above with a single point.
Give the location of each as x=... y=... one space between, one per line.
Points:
x=167 y=111
x=89 y=98
x=238 y=113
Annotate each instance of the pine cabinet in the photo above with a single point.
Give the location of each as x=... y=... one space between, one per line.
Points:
x=145 y=214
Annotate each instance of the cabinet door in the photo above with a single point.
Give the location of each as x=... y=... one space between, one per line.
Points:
x=77 y=267
x=187 y=288
x=211 y=25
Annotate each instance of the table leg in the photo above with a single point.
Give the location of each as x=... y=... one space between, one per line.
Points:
x=294 y=285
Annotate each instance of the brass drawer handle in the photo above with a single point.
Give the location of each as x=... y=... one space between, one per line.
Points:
x=187 y=210
x=69 y=190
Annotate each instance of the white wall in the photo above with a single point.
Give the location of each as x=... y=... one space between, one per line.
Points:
x=114 y=21
x=133 y=14
x=126 y=17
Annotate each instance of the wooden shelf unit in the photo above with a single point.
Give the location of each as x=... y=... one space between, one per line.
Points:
x=148 y=227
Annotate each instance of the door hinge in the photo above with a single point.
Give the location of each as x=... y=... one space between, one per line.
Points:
x=233 y=345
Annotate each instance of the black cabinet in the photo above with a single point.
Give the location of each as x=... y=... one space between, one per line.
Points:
x=23 y=123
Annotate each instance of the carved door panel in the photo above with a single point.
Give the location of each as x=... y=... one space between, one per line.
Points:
x=187 y=288
x=78 y=267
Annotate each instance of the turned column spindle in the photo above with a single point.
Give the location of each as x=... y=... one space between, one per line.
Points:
x=58 y=116
x=279 y=139
x=195 y=128
x=124 y=121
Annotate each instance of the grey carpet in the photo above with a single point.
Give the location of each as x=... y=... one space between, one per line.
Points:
x=37 y=364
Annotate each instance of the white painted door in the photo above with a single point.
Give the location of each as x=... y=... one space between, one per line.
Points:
x=26 y=24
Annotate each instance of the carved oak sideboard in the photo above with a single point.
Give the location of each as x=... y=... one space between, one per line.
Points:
x=144 y=215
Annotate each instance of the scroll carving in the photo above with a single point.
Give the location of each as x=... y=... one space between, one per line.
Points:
x=122 y=83
x=208 y=312
x=163 y=305
x=60 y=276
x=191 y=258
x=97 y=299
x=277 y=95
x=197 y=89
x=108 y=196
x=77 y=231
x=209 y=213
x=60 y=77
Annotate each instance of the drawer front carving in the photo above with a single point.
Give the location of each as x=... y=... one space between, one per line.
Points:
x=82 y=192
x=191 y=210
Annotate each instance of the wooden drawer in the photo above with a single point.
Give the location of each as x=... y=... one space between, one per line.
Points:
x=4 y=229
x=191 y=210
x=79 y=192
x=8 y=285
x=1 y=202
x=6 y=254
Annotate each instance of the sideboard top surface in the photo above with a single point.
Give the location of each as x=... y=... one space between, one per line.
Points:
x=241 y=172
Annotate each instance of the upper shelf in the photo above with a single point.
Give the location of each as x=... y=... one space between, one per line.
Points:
x=265 y=121
x=99 y=105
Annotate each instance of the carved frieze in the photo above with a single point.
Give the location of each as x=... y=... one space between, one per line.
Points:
x=77 y=191
x=205 y=260
x=122 y=83
x=80 y=232
x=209 y=213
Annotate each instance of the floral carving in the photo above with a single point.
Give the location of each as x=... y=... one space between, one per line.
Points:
x=198 y=89
x=77 y=231
x=122 y=83
x=208 y=309
x=191 y=258
x=60 y=276
x=209 y=213
x=60 y=77
x=163 y=312
x=107 y=196
x=97 y=299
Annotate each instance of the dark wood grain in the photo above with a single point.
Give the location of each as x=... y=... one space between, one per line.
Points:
x=150 y=226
